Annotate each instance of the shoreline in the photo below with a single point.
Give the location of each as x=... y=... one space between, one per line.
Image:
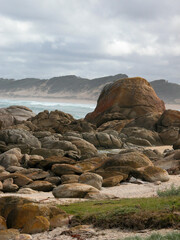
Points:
x=72 y=100
x=50 y=99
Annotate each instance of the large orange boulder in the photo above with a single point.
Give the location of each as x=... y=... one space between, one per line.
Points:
x=126 y=98
x=29 y=216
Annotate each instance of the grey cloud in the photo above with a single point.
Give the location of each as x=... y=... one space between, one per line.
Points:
x=90 y=38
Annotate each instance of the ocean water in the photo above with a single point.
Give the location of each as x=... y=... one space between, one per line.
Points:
x=77 y=110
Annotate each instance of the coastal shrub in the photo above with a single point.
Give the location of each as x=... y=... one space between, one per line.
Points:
x=173 y=191
x=137 y=213
x=156 y=236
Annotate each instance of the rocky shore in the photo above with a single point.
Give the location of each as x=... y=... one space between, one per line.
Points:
x=56 y=154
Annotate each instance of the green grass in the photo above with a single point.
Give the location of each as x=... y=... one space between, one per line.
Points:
x=155 y=236
x=136 y=213
x=173 y=191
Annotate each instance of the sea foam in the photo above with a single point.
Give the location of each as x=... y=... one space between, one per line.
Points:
x=77 y=110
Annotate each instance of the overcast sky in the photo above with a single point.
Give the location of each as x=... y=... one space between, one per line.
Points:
x=90 y=38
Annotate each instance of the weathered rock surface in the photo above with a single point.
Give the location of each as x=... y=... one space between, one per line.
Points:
x=20 y=138
x=176 y=145
x=8 y=203
x=8 y=234
x=53 y=180
x=2 y=223
x=72 y=178
x=116 y=125
x=30 y=217
x=86 y=149
x=11 y=158
x=128 y=98
x=148 y=121
x=131 y=159
x=170 y=118
x=168 y=126
x=2 y=169
x=35 y=173
x=103 y=140
x=170 y=135
x=65 y=169
x=171 y=162
x=113 y=172
x=81 y=126
x=19 y=179
x=60 y=122
x=34 y=160
x=48 y=162
x=112 y=181
x=92 y=179
x=26 y=191
x=4 y=175
x=99 y=196
x=14 y=114
x=59 y=220
x=91 y=164
x=44 y=186
x=152 y=174
x=1 y=186
x=36 y=225
x=9 y=186
x=13 y=169
x=53 y=121
x=6 y=119
x=153 y=155
x=73 y=190
x=124 y=164
x=141 y=136
x=44 y=152
x=54 y=143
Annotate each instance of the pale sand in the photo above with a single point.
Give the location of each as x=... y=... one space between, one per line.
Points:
x=124 y=190
x=131 y=190
x=160 y=148
x=107 y=234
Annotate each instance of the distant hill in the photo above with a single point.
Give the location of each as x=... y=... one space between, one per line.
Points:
x=168 y=92
x=73 y=87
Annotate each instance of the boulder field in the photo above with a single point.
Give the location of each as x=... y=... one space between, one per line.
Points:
x=52 y=151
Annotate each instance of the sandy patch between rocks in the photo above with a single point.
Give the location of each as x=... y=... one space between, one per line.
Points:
x=160 y=148
x=124 y=190
x=131 y=190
